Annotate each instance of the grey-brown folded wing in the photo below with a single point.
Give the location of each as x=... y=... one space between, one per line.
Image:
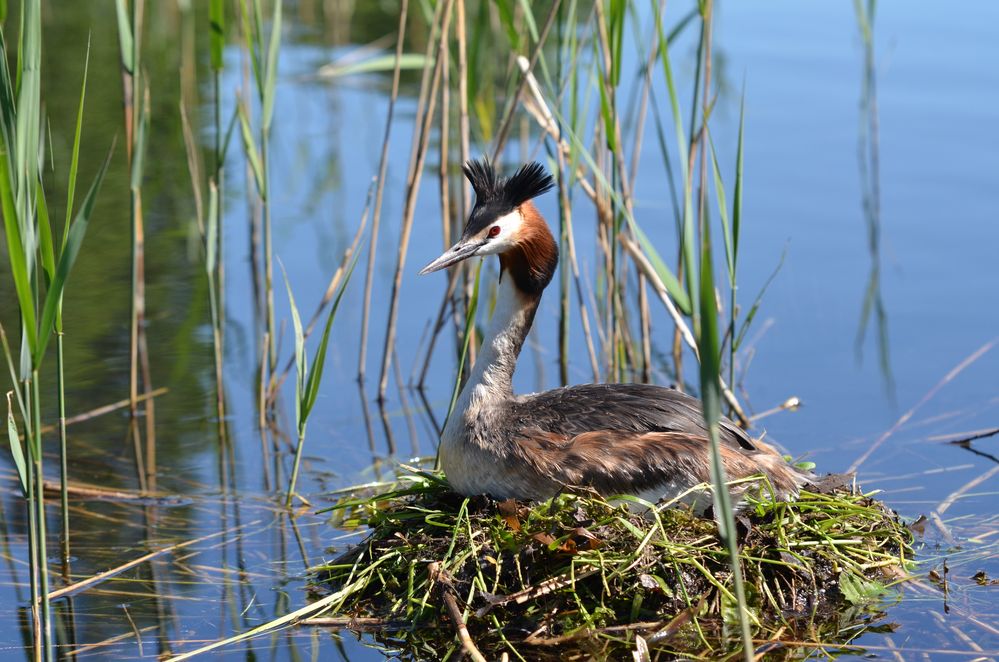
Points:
x=638 y=408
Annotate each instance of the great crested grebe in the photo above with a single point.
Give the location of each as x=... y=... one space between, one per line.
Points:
x=613 y=438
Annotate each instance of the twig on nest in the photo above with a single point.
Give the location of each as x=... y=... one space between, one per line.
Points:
x=448 y=593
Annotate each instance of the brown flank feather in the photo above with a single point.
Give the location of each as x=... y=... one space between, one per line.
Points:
x=619 y=462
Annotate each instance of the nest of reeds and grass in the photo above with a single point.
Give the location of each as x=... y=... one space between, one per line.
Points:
x=438 y=570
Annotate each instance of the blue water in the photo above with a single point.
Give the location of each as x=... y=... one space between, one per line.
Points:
x=802 y=68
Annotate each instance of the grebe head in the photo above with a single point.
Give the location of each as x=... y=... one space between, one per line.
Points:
x=503 y=221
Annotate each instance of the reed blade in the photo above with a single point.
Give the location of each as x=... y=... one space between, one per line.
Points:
x=710 y=369
x=16 y=452
x=69 y=253
x=687 y=235
x=74 y=163
x=216 y=22
x=319 y=361
x=270 y=76
x=17 y=254
x=125 y=37
x=252 y=154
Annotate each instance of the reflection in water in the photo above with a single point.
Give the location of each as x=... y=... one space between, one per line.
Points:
x=227 y=478
x=868 y=158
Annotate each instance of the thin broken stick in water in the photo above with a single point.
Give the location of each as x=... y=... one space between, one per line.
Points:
x=107 y=574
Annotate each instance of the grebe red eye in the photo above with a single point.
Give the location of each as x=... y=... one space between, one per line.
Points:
x=493 y=231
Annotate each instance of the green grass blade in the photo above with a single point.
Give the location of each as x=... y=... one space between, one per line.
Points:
x=27 y=122
x=139 y=153
x=377 y=64
x=229 y=130
x=211 y=230
x=504 y=8
x=270 y=78
x=7 y=104
x=319 y=360
x=737 y=194
x=607 y=114
x=13 y=379
x=709 y=351
x=216 y=21
x=45 y=247
x=16 y=452
x=317 y=607
x=16 y=253
x=615 y=31
x=687 y=230
x=124 y=35
x=532 y=26
x=722 y=212
x=67 y=257
x=252 y=155
x=300 y=356
x=74 y=162
x=710 y=370
x=669 y=280
x=251 y=32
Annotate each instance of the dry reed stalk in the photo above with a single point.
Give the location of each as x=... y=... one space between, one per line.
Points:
x=636 y=150
x=964 y=489
x=107 y=409
x=140 y=464
x=683 y=330
x=86 y=648
x=331 y=289
x=464 y=133
x=107 y=574
x=507 y=122
x=536 y=106
x=85 y=491
x=623 y=179
x=646 y=325
x=539 y=110
x=136 y=123
x=448 y=593
x=379 y=191
x=439 y=324
x=407 y=411
x=574 y=265
x=421 y=140
x=444 y=148
x=354 y=623
x=387 y=428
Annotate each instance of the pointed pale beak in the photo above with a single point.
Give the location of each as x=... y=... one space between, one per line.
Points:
x=460 y=251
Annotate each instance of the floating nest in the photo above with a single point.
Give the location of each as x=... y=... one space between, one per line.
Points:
x=580 y=573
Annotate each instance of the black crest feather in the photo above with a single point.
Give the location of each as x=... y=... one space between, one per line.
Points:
x=496 y=196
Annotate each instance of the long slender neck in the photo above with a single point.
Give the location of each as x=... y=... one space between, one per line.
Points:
x=492 y=376
x=526 y=269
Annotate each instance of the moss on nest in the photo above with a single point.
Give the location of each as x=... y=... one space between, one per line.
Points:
x=580 y=571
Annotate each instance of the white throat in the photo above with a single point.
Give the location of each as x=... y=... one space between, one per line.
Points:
x=490 y=381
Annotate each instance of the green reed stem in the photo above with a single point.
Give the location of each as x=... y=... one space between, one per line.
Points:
x=41 y=560
x=268 y=257
x=30 y=502
x=710 y=359
x=63 y=455
x=216 y=274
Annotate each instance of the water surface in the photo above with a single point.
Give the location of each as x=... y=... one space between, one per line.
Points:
x=814 y=192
